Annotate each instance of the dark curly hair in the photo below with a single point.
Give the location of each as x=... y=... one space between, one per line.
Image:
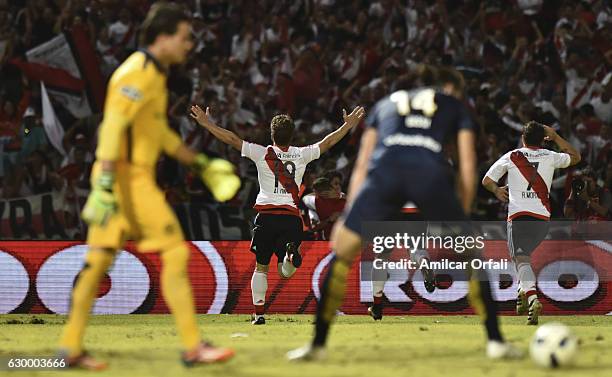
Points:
x=281 y=129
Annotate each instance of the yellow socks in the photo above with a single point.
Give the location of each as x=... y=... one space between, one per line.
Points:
x=176 y=289
x=97 y=263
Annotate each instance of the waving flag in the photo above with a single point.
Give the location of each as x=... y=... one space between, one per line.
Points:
x=53 y=127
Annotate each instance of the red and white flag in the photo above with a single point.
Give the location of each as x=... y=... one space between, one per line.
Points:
x=53 y=127
x=69 y=67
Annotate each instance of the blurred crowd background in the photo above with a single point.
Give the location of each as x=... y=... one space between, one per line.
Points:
x=546 y=60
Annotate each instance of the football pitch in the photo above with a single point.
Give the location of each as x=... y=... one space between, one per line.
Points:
x=147 y=345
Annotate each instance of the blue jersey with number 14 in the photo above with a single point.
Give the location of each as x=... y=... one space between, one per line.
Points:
x=414 y=125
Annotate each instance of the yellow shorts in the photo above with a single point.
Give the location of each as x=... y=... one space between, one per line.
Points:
x=144 y=215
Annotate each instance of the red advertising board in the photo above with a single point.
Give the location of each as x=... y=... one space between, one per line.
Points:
x=37 y=277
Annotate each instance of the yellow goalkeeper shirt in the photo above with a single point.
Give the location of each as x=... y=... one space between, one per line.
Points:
x=135 y=128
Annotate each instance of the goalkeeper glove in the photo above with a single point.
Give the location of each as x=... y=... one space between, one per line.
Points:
x=101 y=203
x=218 y=175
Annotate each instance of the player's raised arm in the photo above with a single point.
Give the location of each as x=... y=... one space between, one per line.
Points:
x=350 y=121
x=226 y=136
x=467 y=167
x=563 y=145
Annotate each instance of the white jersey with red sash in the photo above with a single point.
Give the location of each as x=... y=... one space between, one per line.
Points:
x=530 y=172
x=280 y=174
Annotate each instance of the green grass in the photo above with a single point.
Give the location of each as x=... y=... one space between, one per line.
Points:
x=147 y=345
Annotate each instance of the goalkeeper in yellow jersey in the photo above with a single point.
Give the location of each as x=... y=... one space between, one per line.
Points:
x=125 y=200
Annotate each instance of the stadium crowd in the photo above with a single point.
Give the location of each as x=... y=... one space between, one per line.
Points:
x=544 y=60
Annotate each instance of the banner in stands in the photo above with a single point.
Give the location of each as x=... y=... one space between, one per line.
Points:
x=212 y=221
x=37 y=277
x=36 y=216
x=41 y=217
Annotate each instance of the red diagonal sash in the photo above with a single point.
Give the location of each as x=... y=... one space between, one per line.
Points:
x=581 y=93
x=531 y=175
x=284 y=177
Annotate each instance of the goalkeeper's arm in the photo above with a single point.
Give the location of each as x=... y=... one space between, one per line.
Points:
x=101 y=203
x=126 y=96
x=216 y=173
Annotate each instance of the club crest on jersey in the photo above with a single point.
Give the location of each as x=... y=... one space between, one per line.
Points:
x=131 y=93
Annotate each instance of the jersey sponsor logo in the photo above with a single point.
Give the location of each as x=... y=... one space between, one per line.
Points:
x=417 y=121
x=413 y=141
x=288 y=156
x=131 y=93
x=540 y=153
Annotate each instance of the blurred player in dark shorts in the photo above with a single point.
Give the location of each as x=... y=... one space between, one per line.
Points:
x=411 y=213
x=401 y=159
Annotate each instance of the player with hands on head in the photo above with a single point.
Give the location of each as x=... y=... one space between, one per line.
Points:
x=530 y=172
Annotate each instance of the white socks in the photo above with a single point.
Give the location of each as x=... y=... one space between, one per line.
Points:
x=287 y=268
x=527 y=280
x=379 y=278
x=259 y=286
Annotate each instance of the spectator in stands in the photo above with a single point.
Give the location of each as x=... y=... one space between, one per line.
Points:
x=527 y=59
x=588 y=200
x=336 y=180
x=38 y=175
x=10 y=127
x=325 y=206
x=32 y=133
x=602 y=104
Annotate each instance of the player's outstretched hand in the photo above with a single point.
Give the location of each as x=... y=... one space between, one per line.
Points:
x=218 y=175
x=502 y=194
x=354 y=117
x=203 y=118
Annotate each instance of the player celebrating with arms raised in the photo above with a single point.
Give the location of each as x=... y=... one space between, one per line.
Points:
x=280 y=168
x=125 y=200
x=530 y=171
x=403 y=141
